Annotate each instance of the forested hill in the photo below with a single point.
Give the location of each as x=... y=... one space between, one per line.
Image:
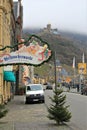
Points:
x=66 y=46
x=78 y=39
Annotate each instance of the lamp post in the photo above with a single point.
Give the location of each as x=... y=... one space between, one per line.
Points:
x=55 y=70
x=81 y=80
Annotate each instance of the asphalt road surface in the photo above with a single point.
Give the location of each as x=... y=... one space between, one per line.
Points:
x=78 y=107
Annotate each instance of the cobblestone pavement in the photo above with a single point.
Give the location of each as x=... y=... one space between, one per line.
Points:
x=28 y=117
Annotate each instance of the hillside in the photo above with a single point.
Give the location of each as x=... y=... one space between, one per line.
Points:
x=66 y=45
x=79 y=40
x=65 y=48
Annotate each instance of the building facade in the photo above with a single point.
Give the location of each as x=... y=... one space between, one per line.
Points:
x=18 y=11
x=7 y=37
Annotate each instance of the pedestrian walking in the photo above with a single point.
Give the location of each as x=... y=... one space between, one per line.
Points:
x=77 y=87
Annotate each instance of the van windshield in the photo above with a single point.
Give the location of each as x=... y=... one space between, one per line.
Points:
x=34 y=87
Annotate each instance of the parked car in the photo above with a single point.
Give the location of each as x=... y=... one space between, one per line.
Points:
x=49 y=87
x=34 y=92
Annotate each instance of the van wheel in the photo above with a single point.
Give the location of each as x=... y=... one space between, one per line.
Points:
x=43 y=101
x=26 y=102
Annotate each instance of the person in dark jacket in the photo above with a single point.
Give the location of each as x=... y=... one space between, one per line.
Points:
x=77 y=87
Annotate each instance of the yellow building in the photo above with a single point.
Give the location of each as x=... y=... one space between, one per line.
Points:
x=6 y=7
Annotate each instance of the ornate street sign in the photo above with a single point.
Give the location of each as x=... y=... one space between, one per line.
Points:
x=34 y=51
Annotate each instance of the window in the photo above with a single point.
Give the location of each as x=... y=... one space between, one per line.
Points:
x=36 y=87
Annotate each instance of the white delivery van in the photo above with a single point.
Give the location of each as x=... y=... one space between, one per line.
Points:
x=34 y=92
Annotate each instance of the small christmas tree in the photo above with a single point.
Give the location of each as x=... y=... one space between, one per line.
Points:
x=58 y=111
x=3 y=110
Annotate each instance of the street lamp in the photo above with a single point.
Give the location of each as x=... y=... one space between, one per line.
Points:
x=81 y=79
x=55 y=70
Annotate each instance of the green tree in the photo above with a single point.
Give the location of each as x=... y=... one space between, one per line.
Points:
x=58 y=111
x=3 y=110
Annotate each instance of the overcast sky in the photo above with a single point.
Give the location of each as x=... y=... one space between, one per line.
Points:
x=70 y=15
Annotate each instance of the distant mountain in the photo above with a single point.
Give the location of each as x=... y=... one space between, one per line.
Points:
x=77 y=39
x=69 y=35
x=31 y=31
x=76 y=36
x=67 y=45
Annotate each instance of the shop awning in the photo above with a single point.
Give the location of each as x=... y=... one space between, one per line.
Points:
x=9 y=76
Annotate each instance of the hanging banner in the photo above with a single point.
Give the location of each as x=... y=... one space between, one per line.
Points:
x=33 y=54
x=82 y=68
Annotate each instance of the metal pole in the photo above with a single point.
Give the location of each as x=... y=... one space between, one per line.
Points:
x=80 y=84
x=55 y=70
x=32 y=73
x=74 y=76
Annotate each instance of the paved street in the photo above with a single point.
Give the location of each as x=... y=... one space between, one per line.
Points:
x=23 y=116
x=78 y=108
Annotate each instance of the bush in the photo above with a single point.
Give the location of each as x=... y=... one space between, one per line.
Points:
x=3 y=110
